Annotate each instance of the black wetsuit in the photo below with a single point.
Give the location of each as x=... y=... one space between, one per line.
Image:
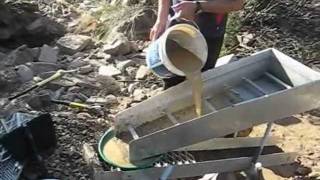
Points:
x=212 y=26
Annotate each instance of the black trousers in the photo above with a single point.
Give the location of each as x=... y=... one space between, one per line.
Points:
x=214 y=48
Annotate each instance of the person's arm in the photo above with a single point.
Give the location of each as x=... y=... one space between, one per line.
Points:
x=163 y=13
x=188 y=8
x=221 y=6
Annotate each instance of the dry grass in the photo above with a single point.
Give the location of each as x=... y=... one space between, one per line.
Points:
x=111 y=16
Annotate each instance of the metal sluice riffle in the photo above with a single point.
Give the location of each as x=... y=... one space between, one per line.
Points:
x=10 y=169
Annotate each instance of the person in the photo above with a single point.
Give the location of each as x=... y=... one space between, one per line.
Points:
x=210 y=16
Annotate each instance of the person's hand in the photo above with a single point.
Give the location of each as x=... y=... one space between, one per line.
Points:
x=187 y=9
x=157 y=29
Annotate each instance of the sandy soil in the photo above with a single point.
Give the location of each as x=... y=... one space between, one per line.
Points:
x=299 y=133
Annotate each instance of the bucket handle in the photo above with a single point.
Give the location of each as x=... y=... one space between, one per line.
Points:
x=176 y=17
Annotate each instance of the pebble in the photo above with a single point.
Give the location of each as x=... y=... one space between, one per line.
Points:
x=122 y=65
x=109 y=70
x=142 y=72
x=132 y=87
x=96 y=99
x=111 y=99
x=139 y=95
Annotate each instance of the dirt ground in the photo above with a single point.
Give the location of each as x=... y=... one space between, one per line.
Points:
x=299 y=133
x=291 y=26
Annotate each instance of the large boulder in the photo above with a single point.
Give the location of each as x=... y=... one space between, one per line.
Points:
x=118 y=44
x=138 y=27
x=21 y=55
x=20 y=23
x=73 y=43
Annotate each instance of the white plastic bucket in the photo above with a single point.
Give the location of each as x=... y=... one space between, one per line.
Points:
x=187 y=36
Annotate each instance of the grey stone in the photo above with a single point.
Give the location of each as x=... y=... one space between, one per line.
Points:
x=71 y=43
x=132 y=87
x=21 y=55
x=9 y=79
x=2 y=56
x=45 y=27
x=90 y=156
x=109 y=84
x=48 y=54
x=25 y=73
x=118 y=44
x=109 y=70
x=139 y=95
x=86 y=69
x=96 y=99
x=111 y=99
x=155 y=92
x=131 y=71
x=142 y=72
x=77 y=63
x=122 y=65
x=42 y=67
x=124 y=102
x=98 y=62
x=36 y=52
x=101 y=55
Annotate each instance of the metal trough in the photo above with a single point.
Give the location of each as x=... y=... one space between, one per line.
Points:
x=258 y=89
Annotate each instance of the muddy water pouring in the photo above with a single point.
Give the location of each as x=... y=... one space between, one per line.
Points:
x=181 y=50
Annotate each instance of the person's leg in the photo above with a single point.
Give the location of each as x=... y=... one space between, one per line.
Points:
x=169 y=82
x=214 y=48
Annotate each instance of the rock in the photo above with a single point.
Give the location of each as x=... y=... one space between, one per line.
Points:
x=154 y=87
x=109 y=84
x=48 y=54
x=109 y=70
x=45 y=27
x=132 y=87
x=101 y=55
x=131 y=71
x=303 y=171
x=2 y=55
x=98 y=62
x=25 y=73
x=155 y=92
x=139 y=95
x=111 y=99
x=122 y=65
x=84 y=116
x=90 y=156
x=96 y=99
x=86 y=69
x=118 y=45
x=21 y=55
x=9 y=79
x=142 y=72
x=138 y=27
x=71 y=43
x=36 y=52
x=124 y=103
x=42 y=67
x=77 y=63
x=39 y=101
x=124 y=2
x=80 y=55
